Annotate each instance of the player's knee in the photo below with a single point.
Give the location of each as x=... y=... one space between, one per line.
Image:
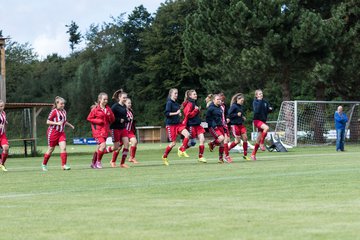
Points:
x=221 y=138
x=5 y=148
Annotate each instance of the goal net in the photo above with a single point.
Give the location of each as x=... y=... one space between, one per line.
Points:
x=312 y=122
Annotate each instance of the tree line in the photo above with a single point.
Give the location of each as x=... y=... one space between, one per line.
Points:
x=291 y=49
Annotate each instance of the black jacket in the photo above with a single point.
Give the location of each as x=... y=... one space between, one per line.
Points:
x=261 y=109
x=233 y=114
x=171 y=106
x=214 y=116
x=120 y=112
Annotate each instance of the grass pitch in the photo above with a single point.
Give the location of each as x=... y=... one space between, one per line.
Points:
x=308 y=193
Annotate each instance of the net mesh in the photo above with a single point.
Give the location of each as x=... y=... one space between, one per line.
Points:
x=301 y=122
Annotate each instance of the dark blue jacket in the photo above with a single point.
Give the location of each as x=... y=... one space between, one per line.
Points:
x=261 y=109
x=233 y=114
x=171 y=106
x=120 y=112
x=214 y=116
x=191 y=113
x=340 y=120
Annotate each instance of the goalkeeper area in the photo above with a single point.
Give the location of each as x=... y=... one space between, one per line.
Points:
x=307 y=193
x=312 y=122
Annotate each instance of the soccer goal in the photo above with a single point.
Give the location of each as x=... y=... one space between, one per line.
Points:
x=312 y=122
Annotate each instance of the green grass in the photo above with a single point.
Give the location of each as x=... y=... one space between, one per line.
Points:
x=308 y=193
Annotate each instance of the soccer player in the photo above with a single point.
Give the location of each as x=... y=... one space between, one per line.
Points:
x=225 y=121
x=214 y=119
x=100 y=118
x=130 y=127
x=56 y=133
x=3 y=139
x=118 y=128
x=237 y=117
x=261 y=109
x=174 y=127
x=192 y=121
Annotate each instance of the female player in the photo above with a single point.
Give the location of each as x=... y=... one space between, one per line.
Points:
x=192 y=121
x=100 y=118
x=174 y=127
x=56 y=133
x=130 y=127
x=237 y=117
x=118 y=128
x=3 y=139
x=261 y=109
x=214 y=119
x=225 y=121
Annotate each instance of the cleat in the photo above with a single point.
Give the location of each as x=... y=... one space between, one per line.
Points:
x=65 y=167
x=221 y=161
x=44 y=167
x=202 y=159
x=246 y=158
x=211 y=146
x=165 y=160
x=124 y=165
x=93 y=165
x=253 y=157
x=113 y=164
x=262 y=147
x=182 y=153
x=3 y=168
x=98 y=165
x=228 y=159
x=133 y=160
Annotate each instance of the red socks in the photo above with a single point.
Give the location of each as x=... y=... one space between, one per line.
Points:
x=99 y=155
x=4 y=157
x=124 y=155
x=255 y=149
x=263 y=136
x=108 y=150
x=201 y=150
x=114 y=156
x=167 y=151
x=63 y=157
x=221 y=152
x=245 y=147
x=94 y=157
x=226 y=149
x=184 y=144
x=232 y=145
x=46 y=158
x=132 y=151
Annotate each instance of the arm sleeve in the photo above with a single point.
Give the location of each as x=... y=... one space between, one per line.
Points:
x=168 y=109
x=337 y=117
x=91 y=118
x=191 y=113
x=232 y=112
x=52 y=114
x=256 y=106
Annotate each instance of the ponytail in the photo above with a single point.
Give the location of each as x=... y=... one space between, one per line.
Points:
x=117 y=94
x=187 y=95
x=100 y=96
x=236 y=97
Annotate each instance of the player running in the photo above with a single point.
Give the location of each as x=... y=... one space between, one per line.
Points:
x=174 y=127
x=130 y=127
x=214 y=119
x=261 y=110
x=237 y=117
x=3 y=139
x=56 y=133
x=192 y=121
x=100 y=118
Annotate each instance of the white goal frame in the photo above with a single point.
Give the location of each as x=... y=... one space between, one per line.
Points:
x=288 y=125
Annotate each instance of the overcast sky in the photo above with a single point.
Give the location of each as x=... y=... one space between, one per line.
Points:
x=42 y=22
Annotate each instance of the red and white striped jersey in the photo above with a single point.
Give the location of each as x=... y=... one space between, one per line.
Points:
x=2 y=122
x=130 y=125
x=57 y=115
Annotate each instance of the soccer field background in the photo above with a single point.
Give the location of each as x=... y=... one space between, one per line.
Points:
x=307 y=193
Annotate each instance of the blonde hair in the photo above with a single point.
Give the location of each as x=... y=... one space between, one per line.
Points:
x=171 y=91
x=187 y=94
x=236 y=97
x=100 y=96
x=209 y=99
x=257 y=91
x=57 y=100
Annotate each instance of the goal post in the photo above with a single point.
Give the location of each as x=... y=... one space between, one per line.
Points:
x=312 y=122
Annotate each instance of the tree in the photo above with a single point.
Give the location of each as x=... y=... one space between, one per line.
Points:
x=74 y=35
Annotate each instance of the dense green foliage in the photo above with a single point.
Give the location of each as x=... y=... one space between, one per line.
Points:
x=307 y=193
x=291 y=49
